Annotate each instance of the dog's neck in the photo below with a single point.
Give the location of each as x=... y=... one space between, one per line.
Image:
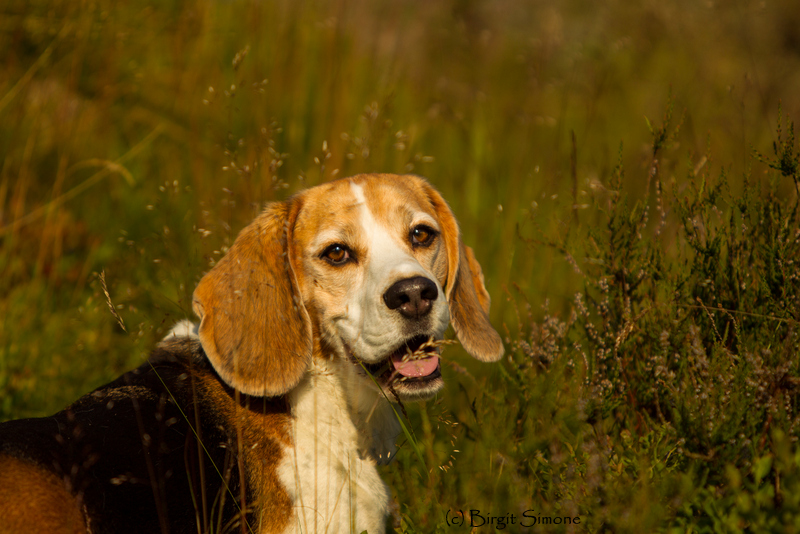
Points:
x=341 y=429
x=375 y=417
x=349 y=395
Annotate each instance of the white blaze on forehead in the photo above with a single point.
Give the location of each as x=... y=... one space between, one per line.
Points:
x=387 y=255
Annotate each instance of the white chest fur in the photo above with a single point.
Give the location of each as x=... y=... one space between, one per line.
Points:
x=330 y=473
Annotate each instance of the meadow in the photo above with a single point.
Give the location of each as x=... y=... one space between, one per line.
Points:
x=627 y=174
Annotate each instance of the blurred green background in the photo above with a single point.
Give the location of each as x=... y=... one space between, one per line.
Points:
x=137 y=138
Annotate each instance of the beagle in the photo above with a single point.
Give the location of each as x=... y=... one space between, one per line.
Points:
x=272 y=413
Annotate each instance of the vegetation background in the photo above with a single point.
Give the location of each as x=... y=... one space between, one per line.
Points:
x=626 y=172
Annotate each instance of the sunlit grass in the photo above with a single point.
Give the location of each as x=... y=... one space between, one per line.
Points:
x=137 y=139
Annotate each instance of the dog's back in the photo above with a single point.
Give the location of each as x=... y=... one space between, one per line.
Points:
x=159 y=444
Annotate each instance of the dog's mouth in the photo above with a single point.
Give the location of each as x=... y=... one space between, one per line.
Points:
x=415 y=361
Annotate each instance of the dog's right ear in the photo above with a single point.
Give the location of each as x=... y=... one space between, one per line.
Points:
x=466 y=295
x=254 y=327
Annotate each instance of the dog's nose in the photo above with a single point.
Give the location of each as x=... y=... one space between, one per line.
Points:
x=412 y=297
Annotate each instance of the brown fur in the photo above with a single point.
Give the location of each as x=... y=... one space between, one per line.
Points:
x=254 y=327
x=42 y=502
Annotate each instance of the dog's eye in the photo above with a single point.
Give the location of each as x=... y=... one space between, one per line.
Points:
x=422 y=236
x=337 y=254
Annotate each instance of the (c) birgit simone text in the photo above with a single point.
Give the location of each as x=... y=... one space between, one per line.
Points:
x=528 y=519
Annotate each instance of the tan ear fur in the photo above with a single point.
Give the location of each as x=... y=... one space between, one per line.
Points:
x=253 y=325
x=468 y=299
x=469 y=308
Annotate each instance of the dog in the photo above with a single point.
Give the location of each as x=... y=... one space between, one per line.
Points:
x=271 y=414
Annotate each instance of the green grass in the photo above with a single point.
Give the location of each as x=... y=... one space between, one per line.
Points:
x=627 y=175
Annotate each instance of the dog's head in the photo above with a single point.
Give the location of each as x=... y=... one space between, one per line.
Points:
x=370 y=269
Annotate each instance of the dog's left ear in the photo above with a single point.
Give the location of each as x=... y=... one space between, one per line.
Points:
x=466 y=294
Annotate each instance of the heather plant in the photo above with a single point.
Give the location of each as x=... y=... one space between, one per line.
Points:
x=645 y=284
x=680 y=352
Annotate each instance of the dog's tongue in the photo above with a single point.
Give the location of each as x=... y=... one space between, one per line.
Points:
x=415 y=368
